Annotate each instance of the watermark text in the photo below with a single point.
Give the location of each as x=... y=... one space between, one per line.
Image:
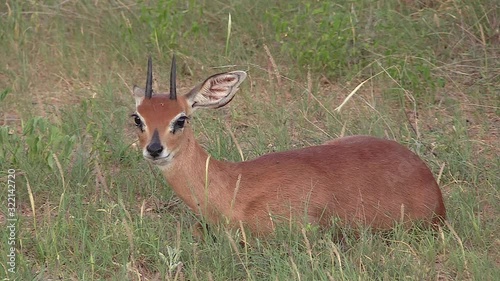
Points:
x=11 y=220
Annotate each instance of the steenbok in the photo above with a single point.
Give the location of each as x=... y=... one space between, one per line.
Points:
x=356 y=180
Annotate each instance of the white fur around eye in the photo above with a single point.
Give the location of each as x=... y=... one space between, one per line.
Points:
x=173 y=123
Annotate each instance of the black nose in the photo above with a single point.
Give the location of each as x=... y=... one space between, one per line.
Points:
x=154 y=149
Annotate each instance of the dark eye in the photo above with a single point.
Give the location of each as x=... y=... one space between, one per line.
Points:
x=179 y=123
x=137 y=120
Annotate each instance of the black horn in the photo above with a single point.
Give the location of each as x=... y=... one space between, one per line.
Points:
x=173 y=94
x=149 y=79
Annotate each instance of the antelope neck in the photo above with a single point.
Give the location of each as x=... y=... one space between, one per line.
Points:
x=203 y=189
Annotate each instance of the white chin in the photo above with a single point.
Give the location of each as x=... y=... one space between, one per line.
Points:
x=159 y=161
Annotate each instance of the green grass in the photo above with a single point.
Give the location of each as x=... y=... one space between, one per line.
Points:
x=90 y=208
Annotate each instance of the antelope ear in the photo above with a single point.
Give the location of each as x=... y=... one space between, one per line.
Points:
x=138 y=94
x=216 y=91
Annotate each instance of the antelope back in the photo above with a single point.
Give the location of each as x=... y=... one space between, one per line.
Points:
x=357 y=179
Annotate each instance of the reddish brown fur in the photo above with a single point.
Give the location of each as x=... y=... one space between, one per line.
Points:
x=359 y=179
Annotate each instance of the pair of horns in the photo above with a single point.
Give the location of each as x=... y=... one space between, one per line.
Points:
x=149 y=80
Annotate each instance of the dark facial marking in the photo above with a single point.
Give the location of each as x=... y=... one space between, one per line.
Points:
x=138 y=122
x=154 y=147
x=179 y=123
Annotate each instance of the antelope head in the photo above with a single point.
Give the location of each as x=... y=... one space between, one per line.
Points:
x=162 y=119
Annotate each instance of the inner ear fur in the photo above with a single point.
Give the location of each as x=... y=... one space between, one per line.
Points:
x=216 y=91
x=138 y=94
